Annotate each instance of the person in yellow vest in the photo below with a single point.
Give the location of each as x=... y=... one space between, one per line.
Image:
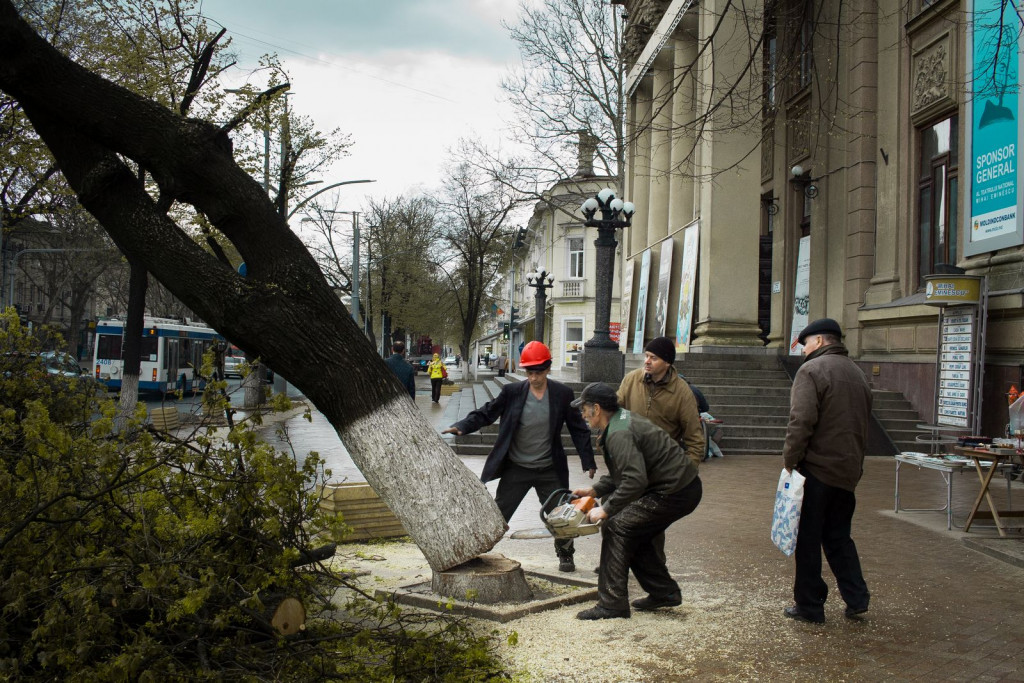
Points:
x=435 y=369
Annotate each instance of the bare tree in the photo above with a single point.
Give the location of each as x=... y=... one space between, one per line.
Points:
x=477 y=222
x=283 y=311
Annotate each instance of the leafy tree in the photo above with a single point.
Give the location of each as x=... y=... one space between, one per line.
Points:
x=283 y=312
x=125 y=557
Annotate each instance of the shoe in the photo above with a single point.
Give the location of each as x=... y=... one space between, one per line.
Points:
x=566 y=564
x=597 y=569
x=602 y=613
x=798 y=614
x=855 y=612
x=652 y=602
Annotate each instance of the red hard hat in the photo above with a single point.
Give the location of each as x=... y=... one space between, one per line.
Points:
x=534 y=353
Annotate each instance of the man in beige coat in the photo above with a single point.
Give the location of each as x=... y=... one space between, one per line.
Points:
x=658 y=393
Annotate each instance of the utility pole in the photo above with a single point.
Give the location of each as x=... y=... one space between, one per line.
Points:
x=355 y=266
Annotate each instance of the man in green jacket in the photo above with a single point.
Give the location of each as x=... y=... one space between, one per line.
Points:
x=830 y=407
x=651 y=484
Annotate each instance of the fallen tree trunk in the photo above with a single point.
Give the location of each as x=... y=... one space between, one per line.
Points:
x=283 y=311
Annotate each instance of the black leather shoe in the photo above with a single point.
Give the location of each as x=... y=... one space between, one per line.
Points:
x=652 y=602
x=855 y=612
x=566 y=564
x=602 y=613
x=798 y=614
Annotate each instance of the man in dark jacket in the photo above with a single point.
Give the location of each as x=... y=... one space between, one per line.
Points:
x=400 y=366
x=528 y=452
x=830 y=406
x=651 y=484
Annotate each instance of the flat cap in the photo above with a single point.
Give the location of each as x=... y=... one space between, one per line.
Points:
x=599 y=393
x=821 y=326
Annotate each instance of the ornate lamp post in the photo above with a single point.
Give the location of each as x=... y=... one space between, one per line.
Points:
x=601 y=360
x=542 y=282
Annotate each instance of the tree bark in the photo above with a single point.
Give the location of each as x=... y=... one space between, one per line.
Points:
x=131 y=344
x=283 y=311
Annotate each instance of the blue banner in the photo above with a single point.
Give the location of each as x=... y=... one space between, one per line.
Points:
x=994 y=132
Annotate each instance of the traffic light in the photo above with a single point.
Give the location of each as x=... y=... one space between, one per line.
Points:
x=504 y=331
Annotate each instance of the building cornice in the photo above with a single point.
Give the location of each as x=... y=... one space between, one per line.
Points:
x=666 y=27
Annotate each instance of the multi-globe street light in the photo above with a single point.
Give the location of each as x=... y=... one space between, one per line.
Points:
x=601 y=360
x=542 y=281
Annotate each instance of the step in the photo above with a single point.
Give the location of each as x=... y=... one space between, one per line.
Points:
x=716 y=400
x=730 y=444
x=692 y=363
x=754 y=431
x=738 y=380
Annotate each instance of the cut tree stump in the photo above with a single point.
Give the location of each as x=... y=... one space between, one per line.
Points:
x=487 y=579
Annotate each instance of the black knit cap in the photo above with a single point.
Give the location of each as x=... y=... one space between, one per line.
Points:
x=662 y=347
x=600 y=394
x=821 y=326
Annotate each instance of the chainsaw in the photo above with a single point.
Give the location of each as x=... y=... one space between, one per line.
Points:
x=564 y=516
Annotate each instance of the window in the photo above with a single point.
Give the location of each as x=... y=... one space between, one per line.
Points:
x=806 y=62
x=573 y=336
x=937 y=195
x=770 y=62
x=575 y=245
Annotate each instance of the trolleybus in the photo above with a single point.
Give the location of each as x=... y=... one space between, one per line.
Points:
x=172 y=352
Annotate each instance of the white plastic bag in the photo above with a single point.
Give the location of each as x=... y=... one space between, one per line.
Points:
x=789 y=497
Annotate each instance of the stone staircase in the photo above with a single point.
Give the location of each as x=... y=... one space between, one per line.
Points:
x=748 y=392
x=899 y=420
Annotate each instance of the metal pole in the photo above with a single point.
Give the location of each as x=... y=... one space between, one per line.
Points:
x=540 y=301
x=605 y=269
x=355 y=266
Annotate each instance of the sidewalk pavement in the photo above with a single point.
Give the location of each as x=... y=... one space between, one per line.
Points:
x=939 y=609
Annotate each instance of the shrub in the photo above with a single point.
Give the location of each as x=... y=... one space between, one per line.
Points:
x=128 y=557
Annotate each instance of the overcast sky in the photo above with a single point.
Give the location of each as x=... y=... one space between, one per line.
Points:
x=405 y=78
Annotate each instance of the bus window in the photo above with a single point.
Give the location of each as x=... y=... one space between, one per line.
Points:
x=148 y=350
x=108 y=347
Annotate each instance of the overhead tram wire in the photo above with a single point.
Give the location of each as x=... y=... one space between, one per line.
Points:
x=281 y=48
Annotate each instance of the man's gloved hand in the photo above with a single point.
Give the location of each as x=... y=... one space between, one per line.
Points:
x=597 y=514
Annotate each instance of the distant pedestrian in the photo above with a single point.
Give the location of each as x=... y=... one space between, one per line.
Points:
x=436 y=371
x=830 y=406
x=528 y=452
x=400 y=366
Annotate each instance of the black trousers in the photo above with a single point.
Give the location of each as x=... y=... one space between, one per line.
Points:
x=627 y=544
x=435 y=389
x=516 y=482
x=825 y=520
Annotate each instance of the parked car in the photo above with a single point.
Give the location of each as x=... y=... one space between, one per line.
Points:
x=233 y=366
x=450 y=360
x=60 y=363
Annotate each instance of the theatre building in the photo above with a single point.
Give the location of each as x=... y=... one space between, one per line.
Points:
x=794 y=160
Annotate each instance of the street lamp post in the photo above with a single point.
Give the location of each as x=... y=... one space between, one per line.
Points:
x=601 y=360
x=541 y=281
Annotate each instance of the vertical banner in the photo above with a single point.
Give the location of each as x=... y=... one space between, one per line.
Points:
x=641 y=302
x=994 y=133
x=624 y=302
x=687 y=283
x=801 y=295
x=664 y=277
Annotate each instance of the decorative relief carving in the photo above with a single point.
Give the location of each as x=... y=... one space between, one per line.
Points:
x=931 y=76
x=768 y=153
x=798 y=130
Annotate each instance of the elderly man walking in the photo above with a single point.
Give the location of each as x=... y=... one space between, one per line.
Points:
x=830 y=406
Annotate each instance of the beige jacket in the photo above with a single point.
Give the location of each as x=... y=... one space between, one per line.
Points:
x=669 y=404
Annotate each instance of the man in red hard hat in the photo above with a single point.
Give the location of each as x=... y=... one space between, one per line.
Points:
x=528 y=452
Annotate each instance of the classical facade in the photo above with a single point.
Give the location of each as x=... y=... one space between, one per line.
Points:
x=823 y=154
x=556 y=242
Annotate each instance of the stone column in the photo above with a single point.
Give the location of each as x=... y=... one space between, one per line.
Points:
x=662 y=79
x=729 y=170
x=681 y=185
x=641 y=181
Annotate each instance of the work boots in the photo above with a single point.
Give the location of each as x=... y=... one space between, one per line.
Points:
x=566 y=563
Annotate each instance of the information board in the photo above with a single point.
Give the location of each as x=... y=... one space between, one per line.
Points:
x=956 y=366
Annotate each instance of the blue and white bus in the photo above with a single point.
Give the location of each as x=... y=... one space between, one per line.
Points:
x=172 y=351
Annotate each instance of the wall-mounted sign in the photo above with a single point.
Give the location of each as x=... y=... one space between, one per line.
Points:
x=777 y=287
x=956 y=366
x=995 y=201
x=940 y=290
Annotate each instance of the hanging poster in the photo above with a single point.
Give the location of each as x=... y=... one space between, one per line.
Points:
x=624 y=302
x=687 y=284
x=664 y=276
x=641 y=302
x=994 y=132
x=801 y=295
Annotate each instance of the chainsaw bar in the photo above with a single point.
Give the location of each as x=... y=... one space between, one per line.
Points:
x=524 y=534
